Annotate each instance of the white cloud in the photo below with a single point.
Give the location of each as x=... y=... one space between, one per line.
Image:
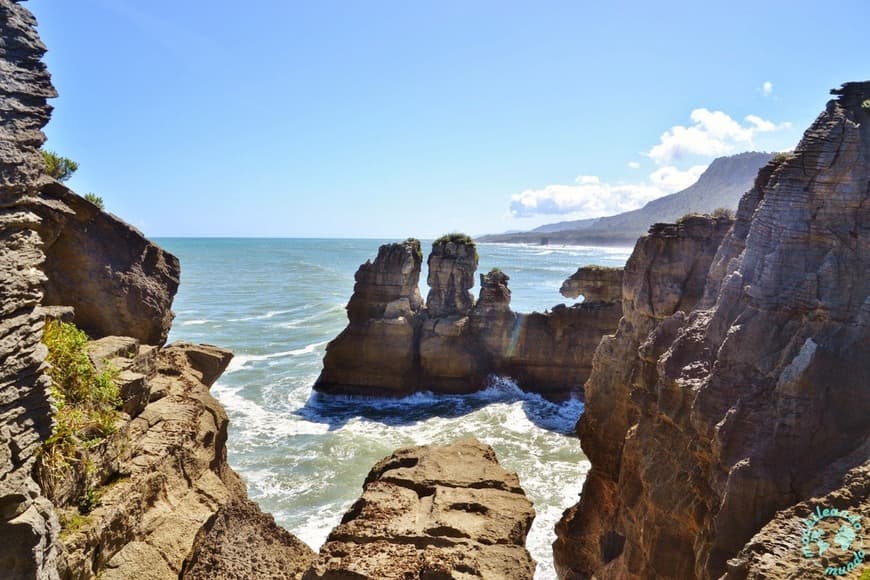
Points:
x=670 y=178
x=588 y=197
x=767 y=88
x=712 y=133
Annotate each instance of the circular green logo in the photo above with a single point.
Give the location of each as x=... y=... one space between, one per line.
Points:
x=834 y=540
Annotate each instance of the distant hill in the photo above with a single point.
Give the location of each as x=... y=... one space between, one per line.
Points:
x=721 y=185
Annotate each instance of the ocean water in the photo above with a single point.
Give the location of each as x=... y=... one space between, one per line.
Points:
x=276 y=303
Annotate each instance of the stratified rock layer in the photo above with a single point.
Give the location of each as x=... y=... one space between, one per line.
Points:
x=28 y=528
x=376 y=353
x=433 y=512
x=454 y=344
x=595 y=283
x=733 y=422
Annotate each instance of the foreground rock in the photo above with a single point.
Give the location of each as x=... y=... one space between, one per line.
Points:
x=711 y=445
x=28 y=526
x=433 y=512
x=240 y=542
x=162 y=481
x=394 y=346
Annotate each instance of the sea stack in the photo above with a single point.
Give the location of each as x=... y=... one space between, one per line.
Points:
x=395 y=346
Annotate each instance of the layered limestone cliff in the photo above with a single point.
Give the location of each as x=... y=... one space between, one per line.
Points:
x=433 y=512
x=28 y=526
x=127 y=500
x=393 y=345
x=715 y=432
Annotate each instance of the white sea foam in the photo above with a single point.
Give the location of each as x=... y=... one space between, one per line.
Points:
x=270 y=314
x=195 y=322
x=240 y=361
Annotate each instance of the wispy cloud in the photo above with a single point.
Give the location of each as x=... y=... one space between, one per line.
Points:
x=767 y=88
x=634 y=164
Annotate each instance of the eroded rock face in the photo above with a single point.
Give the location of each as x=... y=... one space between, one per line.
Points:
x=595 y=283
x=737 y=419
x=118 y=282
x=453 y=344
x=163 y=485
x=664 y=275
x=28 y=527
x=377 y=352
x=239 y=542
x=433 y=512
x=452 y=264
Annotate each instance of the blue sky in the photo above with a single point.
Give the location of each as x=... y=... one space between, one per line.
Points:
x=394 y=119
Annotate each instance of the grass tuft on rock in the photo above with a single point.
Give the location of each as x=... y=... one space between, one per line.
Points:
x=86 y=400
x=456 y=238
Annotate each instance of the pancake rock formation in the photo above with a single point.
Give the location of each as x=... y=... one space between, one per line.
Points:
x=131 y=501
x=433 y=512
x=394 y=345
x=722 y=415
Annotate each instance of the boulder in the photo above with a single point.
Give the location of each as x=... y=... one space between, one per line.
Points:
x=433 y=512
x=118 y=282
x=239 y=542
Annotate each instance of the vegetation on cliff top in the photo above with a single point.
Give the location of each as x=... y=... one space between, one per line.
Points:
x=87 y=400
x=57 y=166
x=456 y=238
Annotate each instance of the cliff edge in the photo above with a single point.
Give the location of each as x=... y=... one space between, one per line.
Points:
x=138 y=491
x=716 y=432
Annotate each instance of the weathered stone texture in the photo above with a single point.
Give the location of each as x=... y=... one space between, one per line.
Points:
x=433 y=512
x=118 y=282
x=595 y=283
x=736 y=419
x=27 y=526
x=452 y=345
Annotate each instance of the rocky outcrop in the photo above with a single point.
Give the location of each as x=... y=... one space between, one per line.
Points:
x=453 y=344
x=736 y=420
x=28 y=528
x=433 y=512
x=118 y=282
x=595 y=284
x=377 y=351
x=160 y=486
x=131 y=500
x=240 y=542
x=452 y=264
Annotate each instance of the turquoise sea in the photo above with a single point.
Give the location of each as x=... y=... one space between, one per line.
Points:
x=277 y=302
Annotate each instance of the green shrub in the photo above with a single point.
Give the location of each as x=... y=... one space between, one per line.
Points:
x=723 y=212
x=95 y=199
x=686 y=216
x=60 y=168
x=456 y=238
x=87 y=400
x=782 y=157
